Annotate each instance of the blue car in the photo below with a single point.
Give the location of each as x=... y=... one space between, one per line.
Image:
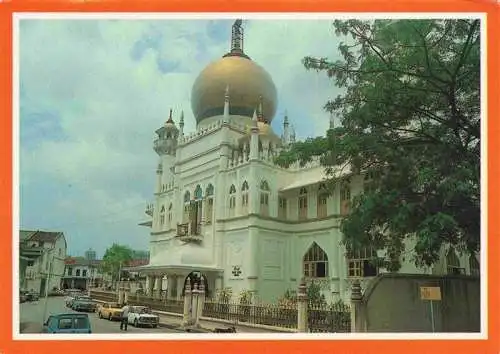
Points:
x=68 y=323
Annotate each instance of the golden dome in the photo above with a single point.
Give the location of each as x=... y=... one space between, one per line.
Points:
x=247 y=81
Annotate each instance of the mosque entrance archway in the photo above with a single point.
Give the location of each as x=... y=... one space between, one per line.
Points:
x=197 y=278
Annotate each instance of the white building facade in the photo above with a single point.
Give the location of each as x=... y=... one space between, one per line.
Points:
x=47 y=268
x=223 y=211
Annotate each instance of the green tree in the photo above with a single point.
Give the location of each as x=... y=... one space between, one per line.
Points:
x=410 y=115
x=115 y=258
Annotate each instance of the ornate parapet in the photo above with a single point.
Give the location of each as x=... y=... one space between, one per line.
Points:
x=186 y=234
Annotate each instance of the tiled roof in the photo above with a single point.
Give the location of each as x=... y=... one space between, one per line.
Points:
x=80 y=261
x=24 y=235
x=45 y=236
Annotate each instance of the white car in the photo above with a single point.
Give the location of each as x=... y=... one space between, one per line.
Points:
x=142 y=316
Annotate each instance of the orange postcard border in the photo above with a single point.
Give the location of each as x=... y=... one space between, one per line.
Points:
x=491 y=8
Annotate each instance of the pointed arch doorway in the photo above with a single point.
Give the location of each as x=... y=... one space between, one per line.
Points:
x=197 y=277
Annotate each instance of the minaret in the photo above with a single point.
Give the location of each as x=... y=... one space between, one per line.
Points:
x=165 y=146
x=226 y=105
x=254 y=138
x=332 y=121
x=286 y=130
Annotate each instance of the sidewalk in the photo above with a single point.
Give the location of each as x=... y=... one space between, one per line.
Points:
x=30 y=327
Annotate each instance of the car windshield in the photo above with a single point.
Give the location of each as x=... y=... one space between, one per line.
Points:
x=84 y=298
x=144 y=310
x=81 y=323
x=65 y=323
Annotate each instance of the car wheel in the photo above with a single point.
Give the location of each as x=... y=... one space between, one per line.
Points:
x=110 y=317
x=136 y=324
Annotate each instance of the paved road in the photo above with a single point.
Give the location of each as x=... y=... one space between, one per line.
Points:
x=32 y=313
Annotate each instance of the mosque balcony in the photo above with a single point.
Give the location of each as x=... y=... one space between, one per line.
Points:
x=149 y=209
x=189 y=232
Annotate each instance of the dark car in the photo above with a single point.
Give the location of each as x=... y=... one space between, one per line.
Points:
x=68 y=323
x=31 y=295
x=23 y=296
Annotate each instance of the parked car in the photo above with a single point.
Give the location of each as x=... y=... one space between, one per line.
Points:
x=83 y=303
x=67 y=323
x=32 y=295
x=110 y=310
x=142 y=316
x=23 y=296
x=71 y=295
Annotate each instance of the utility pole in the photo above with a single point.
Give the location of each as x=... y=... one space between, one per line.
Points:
x=45 y=305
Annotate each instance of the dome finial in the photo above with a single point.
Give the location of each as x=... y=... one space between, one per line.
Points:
x=237 y=40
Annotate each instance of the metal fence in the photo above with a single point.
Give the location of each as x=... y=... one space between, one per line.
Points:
x=270 y=315
x=321 y=319
x=329 y=318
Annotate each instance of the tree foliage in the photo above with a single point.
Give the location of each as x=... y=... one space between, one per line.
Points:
x=410 y=114
x=115 y=258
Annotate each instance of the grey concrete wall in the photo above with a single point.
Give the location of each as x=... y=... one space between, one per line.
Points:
x=392 y=303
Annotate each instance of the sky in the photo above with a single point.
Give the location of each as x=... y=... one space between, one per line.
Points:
x=92 y=93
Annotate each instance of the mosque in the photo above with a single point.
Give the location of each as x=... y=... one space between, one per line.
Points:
x=226 y=214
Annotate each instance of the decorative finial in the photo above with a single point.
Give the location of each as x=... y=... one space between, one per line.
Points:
x=285 y=120
x=226 y=95
x=254 y=119
x=237 y=40
x=170 y=120
x=260 y=113
x=181 y=121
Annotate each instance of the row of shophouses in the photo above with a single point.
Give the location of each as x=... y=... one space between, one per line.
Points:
x=45 y=265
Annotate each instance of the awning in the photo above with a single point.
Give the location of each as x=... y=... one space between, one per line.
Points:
x=171 y=268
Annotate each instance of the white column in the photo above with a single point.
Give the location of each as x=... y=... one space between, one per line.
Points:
x=180 y=285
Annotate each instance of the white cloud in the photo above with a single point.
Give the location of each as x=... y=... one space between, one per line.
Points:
x=89 y=110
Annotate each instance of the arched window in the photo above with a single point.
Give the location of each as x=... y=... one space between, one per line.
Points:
x=210 y=190
x=210 y=203
x=264 y=198
x=362 y=262
x=198 y=193
x=345 y=196
x=244 y=198
x=321 y=208
x=187 y=207
x=232 y=200
x=162 y=215
x=282 y=208
x=315 y=262
x=453 y=263
x=473 y=265
x=170 y=213
x=302 y=204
